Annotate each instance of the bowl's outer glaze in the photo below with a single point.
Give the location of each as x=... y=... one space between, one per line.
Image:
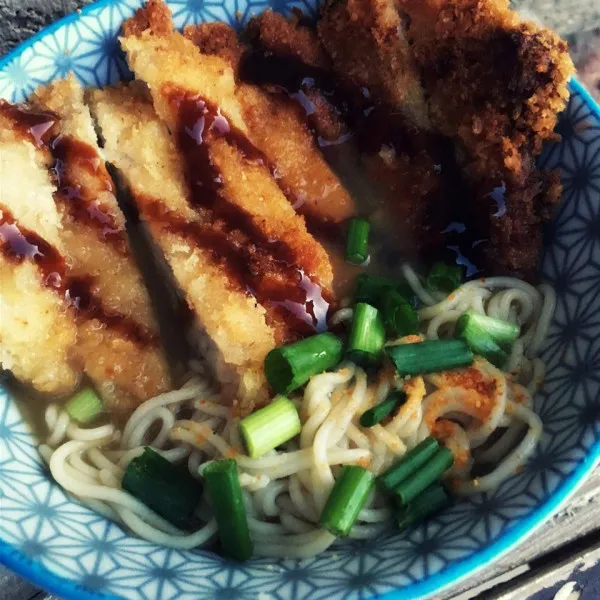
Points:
x=57 y=543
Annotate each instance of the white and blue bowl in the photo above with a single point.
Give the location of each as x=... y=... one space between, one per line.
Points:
x=58 y=544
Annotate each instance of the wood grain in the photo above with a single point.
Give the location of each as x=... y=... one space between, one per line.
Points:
x=578 y=517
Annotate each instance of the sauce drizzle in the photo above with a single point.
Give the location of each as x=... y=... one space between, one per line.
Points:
x=266 y=269
x=70 y=157
x=19 y=244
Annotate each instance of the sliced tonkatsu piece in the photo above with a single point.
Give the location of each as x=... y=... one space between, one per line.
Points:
x=387 y=110
x=494 y=81
x=286 y=55
x=228 y=176
x=496 y=85
x=278 y=127
x=118 y=342
x=207 y=260
x=365 y=42
x=399 y=160
x=37 y=332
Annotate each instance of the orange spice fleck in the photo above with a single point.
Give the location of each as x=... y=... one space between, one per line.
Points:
x=363 y=462
x=231 y=453
x=411 y=339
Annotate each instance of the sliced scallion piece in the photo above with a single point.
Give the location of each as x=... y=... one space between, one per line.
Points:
x=378 y=413
x=428 y=474
x=346 y=500
x=225 y=493
x=430 y=356
x=479 y=340
x=270 y=426
x=444 y=278
x=84 y=406
x=357 y=244
x=411 y=462
x=426 y=504
x=503 y=332
x=289 y=367
x=367 y=335
x=371 y=289
x=399 y=316
x=168 y=490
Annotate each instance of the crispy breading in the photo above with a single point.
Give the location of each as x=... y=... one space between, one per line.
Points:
x=375 y=76
x=496 y=85
x=155 y=15
x=125 y=371
x=36 y=330
x=365 y=41
x=494 y=82
x=275 y=36
x=278 y=126
x=515 y=226
x=171 y=62
x=233 y=323
x=218 y=39
x=287 y=37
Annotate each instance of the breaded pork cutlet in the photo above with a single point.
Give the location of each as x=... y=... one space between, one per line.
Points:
x=249 y=270
x=278 y=127
x=37 y=332
x=118 y=344
x=285 y=55
x=495 y=82
x=235 y=333
x=495 y=85
x=390 y=168
x=194 y=94
x=365 y=42
x=377 y=77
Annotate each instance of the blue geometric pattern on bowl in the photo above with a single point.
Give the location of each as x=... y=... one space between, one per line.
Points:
x=54 y=541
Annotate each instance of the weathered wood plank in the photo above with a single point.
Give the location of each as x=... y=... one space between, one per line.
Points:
x=578 y=517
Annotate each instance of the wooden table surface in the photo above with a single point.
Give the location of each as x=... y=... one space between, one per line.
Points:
x=559 y=561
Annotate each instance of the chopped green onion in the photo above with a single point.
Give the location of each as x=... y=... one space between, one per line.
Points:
x=411 y=462
x=399 y=316
x=371 y=289
x=170 y=491
x=357 y=244
x=430 y=356
x=346 y=500
x=427 y=503
x=270 y=426
x=479 y=340
x=225 y=493
x=503 y=332
x=378 y=413
x=428 y=474
x=289 y=367
x=84 y=406
x=444 y=278
x=367 y=335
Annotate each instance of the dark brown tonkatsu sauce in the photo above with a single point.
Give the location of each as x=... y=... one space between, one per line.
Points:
x=19 y=244
x=70 y=156
x=266 y=269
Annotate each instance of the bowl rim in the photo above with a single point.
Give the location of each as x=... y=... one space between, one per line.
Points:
x=35 y=572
